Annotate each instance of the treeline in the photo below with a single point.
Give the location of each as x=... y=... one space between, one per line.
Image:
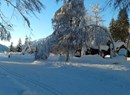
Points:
x=119 y=27
x=17 y=48
x=23 y=48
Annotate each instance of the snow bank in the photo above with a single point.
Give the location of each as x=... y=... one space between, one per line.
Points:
x=53 y=57
x=93 y=59
x=97 y=59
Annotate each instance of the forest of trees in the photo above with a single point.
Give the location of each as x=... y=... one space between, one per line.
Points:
x=71 y=22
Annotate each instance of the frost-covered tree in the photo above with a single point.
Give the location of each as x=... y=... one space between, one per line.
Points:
x=117 y=4
x=71 y=31
x=23 y=7
x=42 y=51
x=27 y=46
x=68 y=23
x=96 y=10
x=44 y=47
x=74 y=33
x=97 y=36
x=4 y=33
x=89 y=19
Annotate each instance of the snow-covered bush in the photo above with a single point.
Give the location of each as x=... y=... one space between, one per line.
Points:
x=44 y=47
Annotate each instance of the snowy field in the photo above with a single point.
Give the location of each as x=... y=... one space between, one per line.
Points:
x=88 y=75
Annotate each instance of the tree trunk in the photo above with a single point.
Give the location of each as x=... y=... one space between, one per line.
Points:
x=128 y=44
x=112 y=48
x=67 y=56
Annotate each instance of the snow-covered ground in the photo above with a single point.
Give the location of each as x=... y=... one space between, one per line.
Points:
x=88 y=75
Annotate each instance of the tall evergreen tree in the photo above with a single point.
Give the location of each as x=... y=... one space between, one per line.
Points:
x=19 y=46
x=119 y=28
x=11 y=49
x=123 y=25
x=113 y=29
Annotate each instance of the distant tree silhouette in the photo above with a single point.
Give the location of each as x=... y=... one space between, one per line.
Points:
x=19 y=46
x=11 y=49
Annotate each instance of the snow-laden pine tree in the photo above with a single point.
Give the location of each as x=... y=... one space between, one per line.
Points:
x=68 y=23
x=27 y=46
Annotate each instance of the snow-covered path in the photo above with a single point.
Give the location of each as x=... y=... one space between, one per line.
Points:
x=20 y=75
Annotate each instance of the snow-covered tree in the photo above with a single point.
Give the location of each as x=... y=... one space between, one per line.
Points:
x=44 y=47
x=27 y=46
x=71 y=31
x=68 y=24
x=117 y=4
x=96 y=10
x=23 y=7
x=89 y=19
x=4 y=33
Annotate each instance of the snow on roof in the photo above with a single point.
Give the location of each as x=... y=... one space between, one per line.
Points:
x=119 y=44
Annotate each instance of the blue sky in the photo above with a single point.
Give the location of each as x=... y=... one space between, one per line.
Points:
x=42 y=26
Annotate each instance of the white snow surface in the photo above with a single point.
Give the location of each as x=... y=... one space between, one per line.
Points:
x=88 y=75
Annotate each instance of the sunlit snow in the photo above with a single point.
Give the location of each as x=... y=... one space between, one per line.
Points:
x=88 y=75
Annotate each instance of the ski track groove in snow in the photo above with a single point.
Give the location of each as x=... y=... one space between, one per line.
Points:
x=35 y=82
